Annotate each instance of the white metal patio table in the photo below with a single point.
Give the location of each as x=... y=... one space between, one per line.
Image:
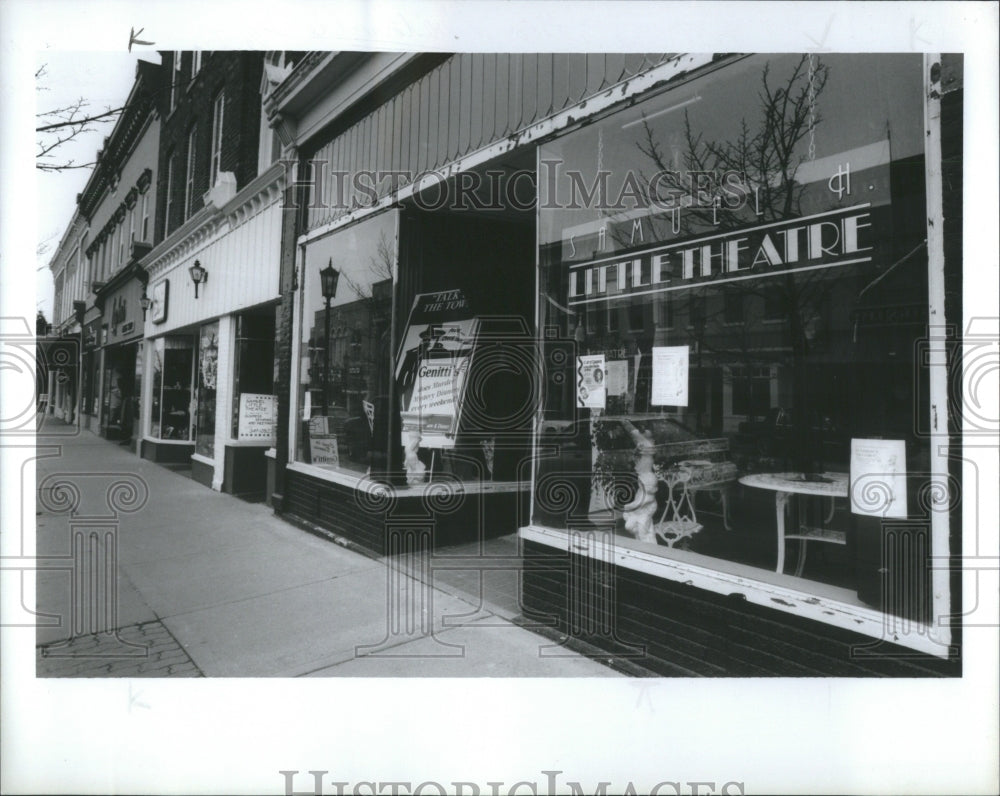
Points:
x=787 y=485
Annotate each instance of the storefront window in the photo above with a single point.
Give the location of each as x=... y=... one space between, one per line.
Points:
x=254 y=404
x=137 y=386
x=89 y=387
x=345 y=351
x=208 y=366
x=170 y=402
x=120 y=398
x=739 y=267
x=155 y=349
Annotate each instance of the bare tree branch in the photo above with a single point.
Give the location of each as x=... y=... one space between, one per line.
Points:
x=59 y=126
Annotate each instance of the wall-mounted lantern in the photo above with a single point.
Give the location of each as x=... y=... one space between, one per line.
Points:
x=198 y=275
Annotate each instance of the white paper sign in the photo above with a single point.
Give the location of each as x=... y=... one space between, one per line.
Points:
x=670 y=376
x=590 y=377
x=617 y=376
x=257 y=416
x=878 y=477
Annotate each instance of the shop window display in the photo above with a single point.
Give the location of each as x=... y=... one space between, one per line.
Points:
x=345 y=351
x=208 y=370
x=172 y=375
x=722 y=256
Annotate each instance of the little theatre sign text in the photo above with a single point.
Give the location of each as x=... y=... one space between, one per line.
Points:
x=835 y=238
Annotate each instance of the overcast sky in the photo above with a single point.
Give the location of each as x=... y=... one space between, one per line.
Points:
x=104 y=80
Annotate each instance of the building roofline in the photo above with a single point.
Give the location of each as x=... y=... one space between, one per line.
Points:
x=139 y=108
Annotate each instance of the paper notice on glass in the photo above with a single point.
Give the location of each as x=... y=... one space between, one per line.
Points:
x=590 y=381
x=617 y=380
x=878 y=477
x=670 y=376
x=257 y=416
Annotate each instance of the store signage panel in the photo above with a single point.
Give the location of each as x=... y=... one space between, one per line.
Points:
x=160 y=295
x=825 y=240
x=92 y=335
x=124 y=306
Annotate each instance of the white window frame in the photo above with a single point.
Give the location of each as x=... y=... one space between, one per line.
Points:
x=189 y=173
x=195 y=63
x=218 y=120
x=776 y=590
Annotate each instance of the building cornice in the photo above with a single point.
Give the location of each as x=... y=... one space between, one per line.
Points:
x=75 y=230
x=211 y=221
x=124 y=275
x=299 y=75
x=139 y=111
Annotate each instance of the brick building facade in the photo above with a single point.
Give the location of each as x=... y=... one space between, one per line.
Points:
x=198 y=89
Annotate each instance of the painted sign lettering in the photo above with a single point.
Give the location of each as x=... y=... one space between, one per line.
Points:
x=825 y=240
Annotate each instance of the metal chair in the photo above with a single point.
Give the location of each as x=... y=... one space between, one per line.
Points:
x=678 y=520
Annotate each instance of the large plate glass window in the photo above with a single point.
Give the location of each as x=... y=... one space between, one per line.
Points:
x=345 y=348
x=736 y=273
x=172 y=369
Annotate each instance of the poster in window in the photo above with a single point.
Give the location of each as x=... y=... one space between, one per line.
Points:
x=432 y=367
x=878 y=477
x=323 y=450
x=591 y=390
x=617 y=380
x=670 y=376
x=257 y=416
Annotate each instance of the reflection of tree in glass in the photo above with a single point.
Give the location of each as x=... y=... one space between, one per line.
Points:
x=763 y=154
x=766 y=153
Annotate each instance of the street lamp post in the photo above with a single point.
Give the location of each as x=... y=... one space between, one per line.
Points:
x=329 y=277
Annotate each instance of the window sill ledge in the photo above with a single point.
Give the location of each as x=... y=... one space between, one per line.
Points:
x=826 y=604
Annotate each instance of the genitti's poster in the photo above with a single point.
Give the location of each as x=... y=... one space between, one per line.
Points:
x=434 y=362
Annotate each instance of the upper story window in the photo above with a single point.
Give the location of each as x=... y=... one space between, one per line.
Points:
x=189 y=180
x=169 y=194
x=218 y=112
x=195 y=63
x=175 y=79
x=145 y=217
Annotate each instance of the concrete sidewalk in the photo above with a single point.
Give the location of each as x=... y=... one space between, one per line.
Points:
x=209 y=585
